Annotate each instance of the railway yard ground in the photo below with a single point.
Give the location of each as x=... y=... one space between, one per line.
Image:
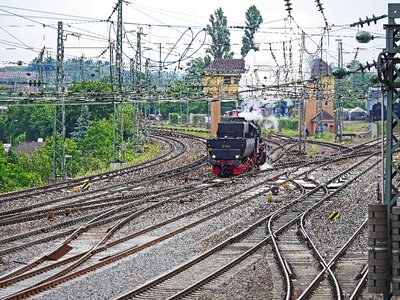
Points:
x=169 y=229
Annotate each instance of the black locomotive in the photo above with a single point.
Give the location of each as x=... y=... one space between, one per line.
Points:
x=237 y=148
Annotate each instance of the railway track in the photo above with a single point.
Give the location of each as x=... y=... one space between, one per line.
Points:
x=225 y=204
x=69 y=184
x=220 y=212
x=99 y=183
x=172 y=284
x=97 y=255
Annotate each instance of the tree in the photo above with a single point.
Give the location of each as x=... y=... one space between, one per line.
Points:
x=253 y=22
x=93 y=89
x=13 y=174
x=353 y=88
x=197 y=67
x=220 y=36
x=82 y=124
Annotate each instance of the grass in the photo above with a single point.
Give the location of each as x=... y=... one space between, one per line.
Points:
x=196 y=131
x=312 y=149
x=355 y=127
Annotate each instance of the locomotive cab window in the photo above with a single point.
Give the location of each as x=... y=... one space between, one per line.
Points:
x=231 y=130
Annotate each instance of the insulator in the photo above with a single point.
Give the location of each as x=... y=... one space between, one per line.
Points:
x=364 y=37
x=367 y=20
x=288 y=6
x=339 y=72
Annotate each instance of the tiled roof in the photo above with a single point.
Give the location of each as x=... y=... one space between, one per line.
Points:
x=325 y=116
x=28 y=147
x=226 y=66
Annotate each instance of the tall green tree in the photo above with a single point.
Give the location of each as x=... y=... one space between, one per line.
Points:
x=253 y=22
x=220 y=36
x=82 y=124
x=196 y=67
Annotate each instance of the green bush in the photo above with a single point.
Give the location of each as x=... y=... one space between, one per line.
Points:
x=173 y=118
x=198 y=119
x=288 y=123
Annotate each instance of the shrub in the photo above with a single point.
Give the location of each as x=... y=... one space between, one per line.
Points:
x=288 y=123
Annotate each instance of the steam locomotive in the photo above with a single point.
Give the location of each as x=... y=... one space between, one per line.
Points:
x=237 y=148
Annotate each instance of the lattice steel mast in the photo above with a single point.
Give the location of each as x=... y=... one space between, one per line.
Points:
x=59 y=165
x=338 y=96
x=118 y=139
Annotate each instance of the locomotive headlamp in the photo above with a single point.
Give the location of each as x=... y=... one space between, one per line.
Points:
x=213 y=156
x=237 y=156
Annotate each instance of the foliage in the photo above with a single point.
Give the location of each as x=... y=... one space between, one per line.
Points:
x=12 y=173
x=31 y=122
x=326 y=137
x=173 y=118
x=220 y=36
x=82 y=124
x=167 y=108
x=353 y=88
x=288 y=123
x=198 y=119
x=75 y=69
x=196 y=68
x=253 y=22
x=354 y=127
x=92 y=88
x=312 y=149
x=97 y=146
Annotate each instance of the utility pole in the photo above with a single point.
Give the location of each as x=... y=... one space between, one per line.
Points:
x=39 y=75
x=338 y=98
x=118 y=49
x=81 y=68
x=319 y=99
x=59 y=111
x=302 y=122
x=111 y=46
x=118 y=138
x=159 y=64
x=302 y=106
x=138 y=58
x=159 y=77
x=384 y=245
x=132 y=72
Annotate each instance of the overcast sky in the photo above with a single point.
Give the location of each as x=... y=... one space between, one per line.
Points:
x=22 y=26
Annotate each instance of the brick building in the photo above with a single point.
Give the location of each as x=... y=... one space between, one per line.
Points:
x=328 y=119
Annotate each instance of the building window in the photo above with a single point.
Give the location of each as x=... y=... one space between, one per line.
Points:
x=236 y=80
x=227 y=80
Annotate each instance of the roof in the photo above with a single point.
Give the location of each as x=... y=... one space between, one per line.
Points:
x=357 y=110
x=28 y=147
x=226 y=66
x=325 y=116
